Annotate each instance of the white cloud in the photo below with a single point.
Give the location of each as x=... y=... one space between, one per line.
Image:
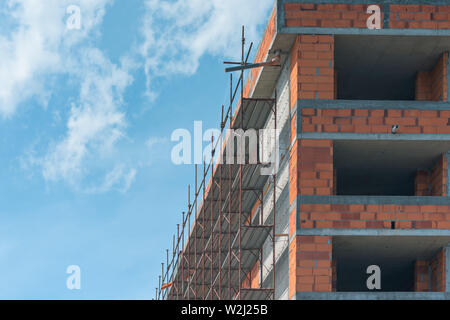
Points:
x=118 y=178
x=178 y=33
x=95 y=124
x=36 y=47
x=153 y=141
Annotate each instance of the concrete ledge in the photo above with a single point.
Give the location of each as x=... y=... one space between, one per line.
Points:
x=373 y=136
x=372 y=296
x=432 y=2
x=356 y=31
x=375 y=232
x=373 y=104
x=399 y=200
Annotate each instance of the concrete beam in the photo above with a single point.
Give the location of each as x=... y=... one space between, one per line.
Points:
x=398 y=200
x=373 y=104
x=373 y=136
x=447 y=156
x=448 y=76
x=372 y=296
x=403 y=2
x=447 y=268
x=375 y=232
x=368 y=32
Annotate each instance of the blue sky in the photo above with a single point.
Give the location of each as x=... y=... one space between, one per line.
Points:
x=85 y=123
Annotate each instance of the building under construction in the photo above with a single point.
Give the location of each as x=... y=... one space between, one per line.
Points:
x=361 y=116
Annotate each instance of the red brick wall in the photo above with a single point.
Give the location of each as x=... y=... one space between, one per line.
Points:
x=310 y=264
x=375 y=121
x=423 y=86
x=311 y=168
x=315 y=173
x=430 y=276
x=360 y=216
x=419 y=17
x=312 y=76
x=437 y=277
x=432 y=182
x=327 y=15
x=422 y=183
x=421 y=280
x=334 y=275
x=438 y=178
x=432 y=86
x=312 y=68
x=355 y=16
x=439 y=85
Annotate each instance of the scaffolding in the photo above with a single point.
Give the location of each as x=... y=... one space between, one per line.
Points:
x=220 y=238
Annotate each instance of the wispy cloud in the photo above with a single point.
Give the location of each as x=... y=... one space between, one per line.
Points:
x=39 y=47
x=95 y=124
x=119 y=178
x=153 y=141
x=178 y=33
x=36 y=44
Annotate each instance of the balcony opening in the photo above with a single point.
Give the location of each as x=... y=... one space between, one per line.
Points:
x=390 y=67
x=390 y=168
x=400 y=259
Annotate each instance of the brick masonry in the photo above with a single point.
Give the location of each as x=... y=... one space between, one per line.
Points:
x=355 y=16
x=315 y=175
x=419 y=17
x=430 y=276
x=312 y=68
x=310 y=262
x=327 y=15
x=432 y=85
x=368 y=216
x=432 y=182
x=375 y=120
x=313 y=77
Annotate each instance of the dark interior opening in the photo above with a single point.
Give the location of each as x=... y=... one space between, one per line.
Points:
x=396 y=257
x=352 y=276
x=384 y=67
x=383 y=168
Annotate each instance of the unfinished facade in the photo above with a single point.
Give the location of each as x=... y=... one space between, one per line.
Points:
x=363 y=127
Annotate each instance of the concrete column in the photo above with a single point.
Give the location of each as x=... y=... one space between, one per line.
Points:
x=447 y=157
x=447 y=69
x=447 y=267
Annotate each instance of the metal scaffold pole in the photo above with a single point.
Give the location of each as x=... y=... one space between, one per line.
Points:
x=195 y=237
x=203 y=234
x=211 y=239
x=240 y=167
x=230 y=218
x=275 y=150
